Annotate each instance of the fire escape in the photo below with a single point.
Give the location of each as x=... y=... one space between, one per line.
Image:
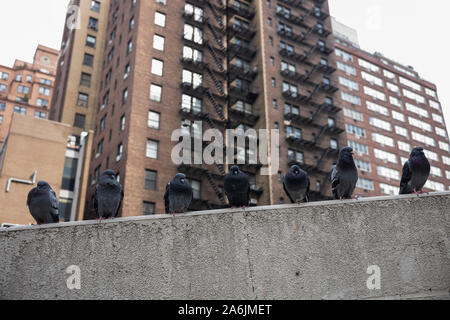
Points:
x=312 y=81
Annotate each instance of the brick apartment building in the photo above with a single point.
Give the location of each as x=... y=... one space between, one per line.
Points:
x=230 y=64
x=27 y=88
x=388 y=109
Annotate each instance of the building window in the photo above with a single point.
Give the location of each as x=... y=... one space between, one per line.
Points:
x=152 y=149
x=83 y=100
x=157 y=67
x=69 y=174
x=88 y=60
x=91 y=41
x=119 y=152
x=80 y=120
x=122 y=123
x=148 y=208
x=125 y=96
x=160 y=19
x=20 y=110
x=93 y=24
x=155 y=93
x=85 y=79
x=192 y=78
x=151 y=178
x=158 y=42
x=40 y=115
x=153 y=120
x=129 y=47
x=2 y=106
x=194 y=34
x=95 y=6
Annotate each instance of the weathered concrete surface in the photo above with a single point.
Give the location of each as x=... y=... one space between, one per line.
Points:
x=314 y=251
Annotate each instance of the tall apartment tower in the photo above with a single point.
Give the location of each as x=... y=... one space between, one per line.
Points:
x=389 y=109
x=216 y=64
x=27 y=88
x=75 y=95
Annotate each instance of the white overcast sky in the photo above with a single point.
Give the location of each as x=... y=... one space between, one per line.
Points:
x=412 y=32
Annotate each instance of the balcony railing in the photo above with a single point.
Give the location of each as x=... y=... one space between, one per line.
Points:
x=241 y=10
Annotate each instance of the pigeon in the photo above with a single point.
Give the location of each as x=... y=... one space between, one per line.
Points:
x=296 y=184
x=237 y=188
x=415 y=172
x=108 y=196
x=179 y=195
x=344 y=176
x=43 y=204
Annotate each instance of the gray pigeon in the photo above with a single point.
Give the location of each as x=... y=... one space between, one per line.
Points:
x=415 y=172
x=179 y=195
x=108 y=196
x=43 y=204
x=237 y=188
x=344 y=176
x=296 y=184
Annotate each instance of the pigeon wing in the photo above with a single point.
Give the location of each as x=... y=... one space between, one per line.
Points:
x=121 y=200
x=30 y=196
x=335 y=180
x=166 y=199
x=96 y=201
x=55 y=206
x=308 y=188
x=286 y=190
x=406 y=178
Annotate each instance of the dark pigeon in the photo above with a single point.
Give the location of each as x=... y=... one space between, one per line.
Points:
x=344 y=176
x=43 y=204
x=296 y=184
x=108 y=196
x=179 y=195
x=415 y=172
x=237 y=188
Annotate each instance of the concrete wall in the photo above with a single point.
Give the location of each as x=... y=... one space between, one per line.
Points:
x=314 y=251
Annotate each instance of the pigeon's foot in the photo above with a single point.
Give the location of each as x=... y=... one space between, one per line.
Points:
x=355 y=197
x=100 y=219
x=299 y=202
x=419 y=192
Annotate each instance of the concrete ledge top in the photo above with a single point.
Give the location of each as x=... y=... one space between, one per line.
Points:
x=393 y=247
x=321 y=204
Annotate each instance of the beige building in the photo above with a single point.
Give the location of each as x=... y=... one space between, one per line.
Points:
x=38 y=149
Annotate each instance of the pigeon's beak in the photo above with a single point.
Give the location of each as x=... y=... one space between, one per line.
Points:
x=182 y=180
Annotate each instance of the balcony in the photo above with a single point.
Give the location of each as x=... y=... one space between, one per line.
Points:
x=297 y=118
x=192 y=113
x=326 y=69
x=241 y=10
x=330 y=108
x=322 y=32
x=192 y=18
x=190 y=88
x=293 y=55
x=243 y=93
x=309 y=168
x=246 y=72
x=241 y=31
x=196 y=64
x=241 y=50
x=300 y=142
x=328 y=88
x=244 y=116
x=294 y=96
